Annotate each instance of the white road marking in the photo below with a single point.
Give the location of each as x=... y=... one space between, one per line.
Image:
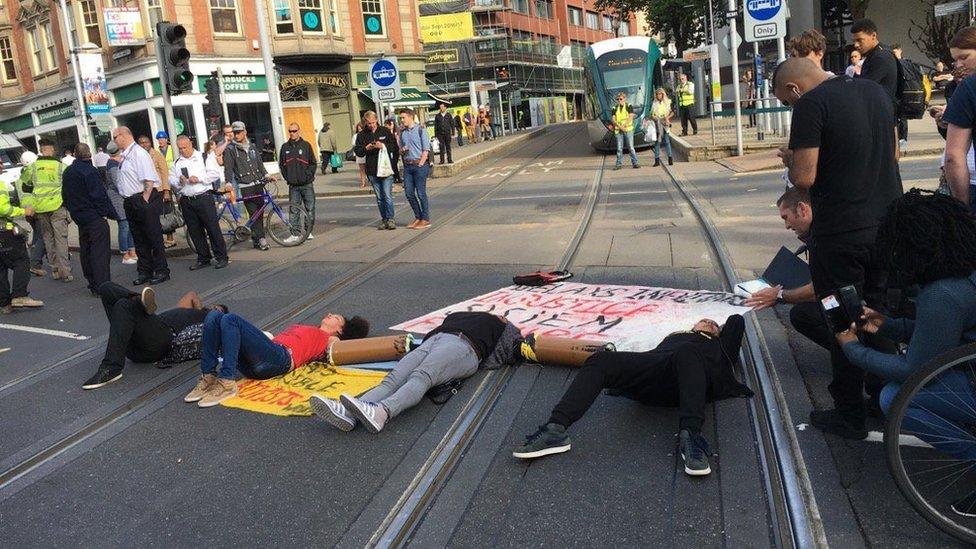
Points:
x=4 y=350
x=903 y=440
x=44 y=331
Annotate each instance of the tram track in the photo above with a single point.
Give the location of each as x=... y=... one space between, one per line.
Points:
x=32 y=467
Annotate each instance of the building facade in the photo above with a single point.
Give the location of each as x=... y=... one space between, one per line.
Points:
x=321 y=51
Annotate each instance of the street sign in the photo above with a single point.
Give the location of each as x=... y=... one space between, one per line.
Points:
x=764 y=20
x=384 y=80
x=950 y=8
x=727 y=40
x=696 y=54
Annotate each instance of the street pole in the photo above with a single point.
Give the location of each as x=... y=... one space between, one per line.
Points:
x=223 y=97
x=83 y=133
x=274 y=98
x=783 y=118
x=170 y=119
x=734 y=39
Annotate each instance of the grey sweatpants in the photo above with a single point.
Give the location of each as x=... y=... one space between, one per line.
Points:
x=439 y=359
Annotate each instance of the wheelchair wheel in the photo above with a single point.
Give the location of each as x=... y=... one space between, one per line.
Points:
x=278 y=224
x=930 y=442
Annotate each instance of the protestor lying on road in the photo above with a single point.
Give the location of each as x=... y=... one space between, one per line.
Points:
x=246 y=349
x=930 y=239
x=137 y=332
x=686 y=370
x=456 y=349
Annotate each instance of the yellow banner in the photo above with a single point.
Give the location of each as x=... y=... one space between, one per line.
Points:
x=288 y=395
x=450 y=27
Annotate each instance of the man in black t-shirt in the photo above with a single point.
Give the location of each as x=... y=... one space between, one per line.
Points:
x=842 y=148
x=879 y=63
x=137 y=332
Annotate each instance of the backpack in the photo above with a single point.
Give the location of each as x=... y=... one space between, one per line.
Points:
x=911 y=90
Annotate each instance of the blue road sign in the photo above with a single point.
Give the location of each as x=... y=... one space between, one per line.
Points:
x=764 y=10
x=384 y=73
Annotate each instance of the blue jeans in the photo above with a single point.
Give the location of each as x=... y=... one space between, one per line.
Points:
x=666 y=137
x=301 y=195
x=244 y=347
x=383 y=187
x=940 y=414
x=629 y=137
x=415 y=186
x=125 y=237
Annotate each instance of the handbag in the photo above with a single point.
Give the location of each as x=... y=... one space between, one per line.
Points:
x=650 y=131
x=171 y=219
x=336 y=160
x=384 y=168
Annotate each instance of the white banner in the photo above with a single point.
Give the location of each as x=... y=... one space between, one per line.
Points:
x=634 y=318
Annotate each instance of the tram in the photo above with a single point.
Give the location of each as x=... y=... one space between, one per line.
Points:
x=630 y=64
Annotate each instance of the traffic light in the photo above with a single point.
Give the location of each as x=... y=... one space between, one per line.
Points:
x=175 y=57
x=213 y=110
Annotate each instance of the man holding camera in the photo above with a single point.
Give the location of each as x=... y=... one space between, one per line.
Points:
x=843 y=150
x=194 y=181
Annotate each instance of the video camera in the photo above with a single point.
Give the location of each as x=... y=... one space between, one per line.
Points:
x=842 y=308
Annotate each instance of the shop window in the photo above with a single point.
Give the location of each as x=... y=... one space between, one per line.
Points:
x=334 y=18
x=224 y=16
x=362 y=79
x=257 y=118
x=7 y=60
x=576 y=17
x=137 y=121
x=89 y=18
x=282 y=17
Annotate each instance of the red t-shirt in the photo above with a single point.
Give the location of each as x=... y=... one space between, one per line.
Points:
x=306 y=343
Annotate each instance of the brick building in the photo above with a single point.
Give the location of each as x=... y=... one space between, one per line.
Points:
x=321 y=49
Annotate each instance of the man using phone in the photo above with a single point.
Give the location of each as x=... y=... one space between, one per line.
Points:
x=370 y=144
x=191 y=177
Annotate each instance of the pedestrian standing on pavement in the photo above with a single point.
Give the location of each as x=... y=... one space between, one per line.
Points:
x=842 y=148
x=686 y=104
x=13 y=254
x=372 y=141
x=40 y=184
x=35 y=247
x=165 y=149
x=911 y=104
x=100 y=159
x=661 y=115
x=459 y=129
x=327 y=147
x=443 y=129
x=223 y=141
x=127 y=247
x=193 y=178
x=416 y=167
x=360 y=160
x=879 y=63
x=854 y=69
x=242 y=163
x=67 y=156
x=395 y=151
x=960 y=115
x=161 y=165
x=140 y=186
x=296 y=163
x=622 y=126
x=811 y=44
x=86 y=200
x=469 y=125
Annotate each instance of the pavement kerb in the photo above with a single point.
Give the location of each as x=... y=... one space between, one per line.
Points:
x=729 y=162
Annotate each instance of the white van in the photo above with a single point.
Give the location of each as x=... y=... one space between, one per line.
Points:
x=10 y=151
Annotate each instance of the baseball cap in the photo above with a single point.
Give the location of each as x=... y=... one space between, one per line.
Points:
x=238 y=126
x=162 y=135
x=27 y=158
x=111 y=148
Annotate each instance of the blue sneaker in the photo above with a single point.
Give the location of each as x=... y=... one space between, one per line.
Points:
x=549 y=439
x=694 y=450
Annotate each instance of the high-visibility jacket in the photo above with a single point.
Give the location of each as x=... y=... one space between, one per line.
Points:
x=7 y=210
x=686 y=94
x=40 y=184
x=621 y=119
x=169 y=155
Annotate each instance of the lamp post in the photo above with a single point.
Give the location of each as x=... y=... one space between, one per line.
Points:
x=84 y=136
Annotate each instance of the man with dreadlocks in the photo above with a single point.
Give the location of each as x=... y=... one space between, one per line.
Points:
x=930 y=240
x=842 y=148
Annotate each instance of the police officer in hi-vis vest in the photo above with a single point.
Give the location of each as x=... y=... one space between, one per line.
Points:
x=686 y=100
x=40 y=184
x=13 y=254
x=622 y=125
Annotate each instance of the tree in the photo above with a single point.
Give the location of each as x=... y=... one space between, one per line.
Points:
x=858 y=8
x=683 y=23
x=932 y=35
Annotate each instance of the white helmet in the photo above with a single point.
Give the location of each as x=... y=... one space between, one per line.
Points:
x=27 y=158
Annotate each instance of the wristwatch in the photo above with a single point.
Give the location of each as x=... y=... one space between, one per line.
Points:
x=779 y=296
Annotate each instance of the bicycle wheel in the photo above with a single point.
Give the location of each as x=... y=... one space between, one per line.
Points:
x=287 y=225
x=189 y=241
x=930 y=442
x=227 y=226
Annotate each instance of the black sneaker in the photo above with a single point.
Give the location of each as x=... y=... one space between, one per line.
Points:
x=836 y=423
x=550 y=438
x=103 y=377
x=694 y=450
x=965 y=506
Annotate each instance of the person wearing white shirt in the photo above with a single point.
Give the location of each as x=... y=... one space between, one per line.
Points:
x=143 y=203
x=101 y=158
x=193 y=177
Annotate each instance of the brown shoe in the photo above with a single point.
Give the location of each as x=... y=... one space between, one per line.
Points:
x=413 y=224
x=423 y=224
x=203 y=386
x=19 y=302
x=37 y=271
x=220 y=390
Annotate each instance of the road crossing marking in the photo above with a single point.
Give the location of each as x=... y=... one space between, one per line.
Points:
x=44 y=331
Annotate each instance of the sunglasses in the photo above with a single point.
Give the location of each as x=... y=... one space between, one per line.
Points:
x=292 y=131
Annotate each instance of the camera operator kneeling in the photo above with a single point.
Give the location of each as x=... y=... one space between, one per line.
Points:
x=930 y=240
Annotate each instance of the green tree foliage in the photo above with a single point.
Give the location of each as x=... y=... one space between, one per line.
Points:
x=683 y=23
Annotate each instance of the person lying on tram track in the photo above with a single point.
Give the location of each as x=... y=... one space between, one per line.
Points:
x=687 y=370
x=246 y=349
x=464 y=343
x=137 y=332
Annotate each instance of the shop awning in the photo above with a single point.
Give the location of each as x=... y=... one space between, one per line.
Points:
x=412 y=97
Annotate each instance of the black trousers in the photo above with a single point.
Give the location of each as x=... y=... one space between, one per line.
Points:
x=13 y=258
x=147 y=233
x=131 y=333
x=95 y=253
x=679 y=381
x=841 y=260
x=903 y=127
x=252 y=205
x=445 y=141
x=688 y=117
x=200 y=215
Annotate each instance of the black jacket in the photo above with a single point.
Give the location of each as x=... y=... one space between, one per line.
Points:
x=244 y=167
x=881 y=66
x=443 y=124
x=366 y=137
x=84 y=194
x=297 y=162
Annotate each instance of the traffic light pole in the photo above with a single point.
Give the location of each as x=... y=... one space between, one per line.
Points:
x=274 y=97
x=164 y=87
x=84 y=135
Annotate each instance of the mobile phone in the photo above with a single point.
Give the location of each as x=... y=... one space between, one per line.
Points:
x=185 y=171
x=842 y=308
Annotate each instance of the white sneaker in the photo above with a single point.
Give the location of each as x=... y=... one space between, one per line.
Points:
x=129 y=261
x=332 y=412
x=372 y=415
x=290 y=240
x=310 y=236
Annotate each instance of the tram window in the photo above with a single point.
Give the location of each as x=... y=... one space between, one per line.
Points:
x=626 y=71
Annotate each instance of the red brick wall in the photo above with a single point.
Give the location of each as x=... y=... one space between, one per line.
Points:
x=203 y=35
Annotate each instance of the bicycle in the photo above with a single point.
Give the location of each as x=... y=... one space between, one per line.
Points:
x=932 y=455
x=277 y=225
